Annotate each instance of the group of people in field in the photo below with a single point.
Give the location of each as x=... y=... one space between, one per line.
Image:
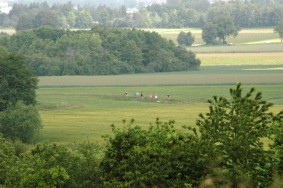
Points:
x=150 y=97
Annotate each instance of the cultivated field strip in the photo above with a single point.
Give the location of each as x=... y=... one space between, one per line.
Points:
x=255 y=59
x=162 y=79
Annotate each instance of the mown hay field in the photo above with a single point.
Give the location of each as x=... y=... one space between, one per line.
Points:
x=255 y=59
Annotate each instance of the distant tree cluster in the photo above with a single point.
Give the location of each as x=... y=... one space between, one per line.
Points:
x=173 y=14
x=51 y=51
x=185 y=39
x=227 y=150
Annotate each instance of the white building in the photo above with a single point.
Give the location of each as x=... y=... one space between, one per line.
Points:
x=4 y=7
x=150 y=2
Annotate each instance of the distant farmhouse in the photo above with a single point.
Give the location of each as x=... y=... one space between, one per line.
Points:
x=5 y=7
x=145 y=3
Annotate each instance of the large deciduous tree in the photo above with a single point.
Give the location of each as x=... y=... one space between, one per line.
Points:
x=209 y=33
x=221 y=27
x=279 y=29
x=16 y=81
x=235 y=129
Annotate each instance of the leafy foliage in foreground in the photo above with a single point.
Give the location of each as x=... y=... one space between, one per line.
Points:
x=51 y=51
x=160 y=156
x=55 y=166
x=235 y=129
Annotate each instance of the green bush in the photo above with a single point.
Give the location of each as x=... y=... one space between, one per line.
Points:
x=160 y=156
x=20 y=122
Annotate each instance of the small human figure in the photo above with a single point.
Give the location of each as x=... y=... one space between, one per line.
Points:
x=141 y=95
x=150 y=97
x=155 y=97
x=168 y=96
x=137 y=94
x=126 y=94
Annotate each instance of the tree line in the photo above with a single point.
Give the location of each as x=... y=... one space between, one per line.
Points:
x=99 y=51
x=224 y=148
x=173 y=14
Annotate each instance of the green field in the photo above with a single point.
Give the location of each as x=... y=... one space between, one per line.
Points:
x=80 y=108
x=244 y=36
x=247 y=41
x=77 y=114
x=239 y=48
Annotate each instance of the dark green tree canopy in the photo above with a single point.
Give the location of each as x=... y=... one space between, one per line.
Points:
x=159 y=156
x=185 y=39
x=101 y=51
x=209 y=33
x=17 y=81
x=221 y=27
x=20 y=122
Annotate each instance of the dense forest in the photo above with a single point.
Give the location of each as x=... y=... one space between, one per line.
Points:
x=51 y=51
x=173 y=14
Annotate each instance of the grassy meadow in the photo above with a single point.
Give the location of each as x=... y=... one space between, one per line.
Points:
x=245 y=35
x=82 y=108
x=77 y=114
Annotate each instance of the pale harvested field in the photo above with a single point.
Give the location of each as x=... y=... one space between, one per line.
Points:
x=268 y=54
x=255 y=59
x=259 y=30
